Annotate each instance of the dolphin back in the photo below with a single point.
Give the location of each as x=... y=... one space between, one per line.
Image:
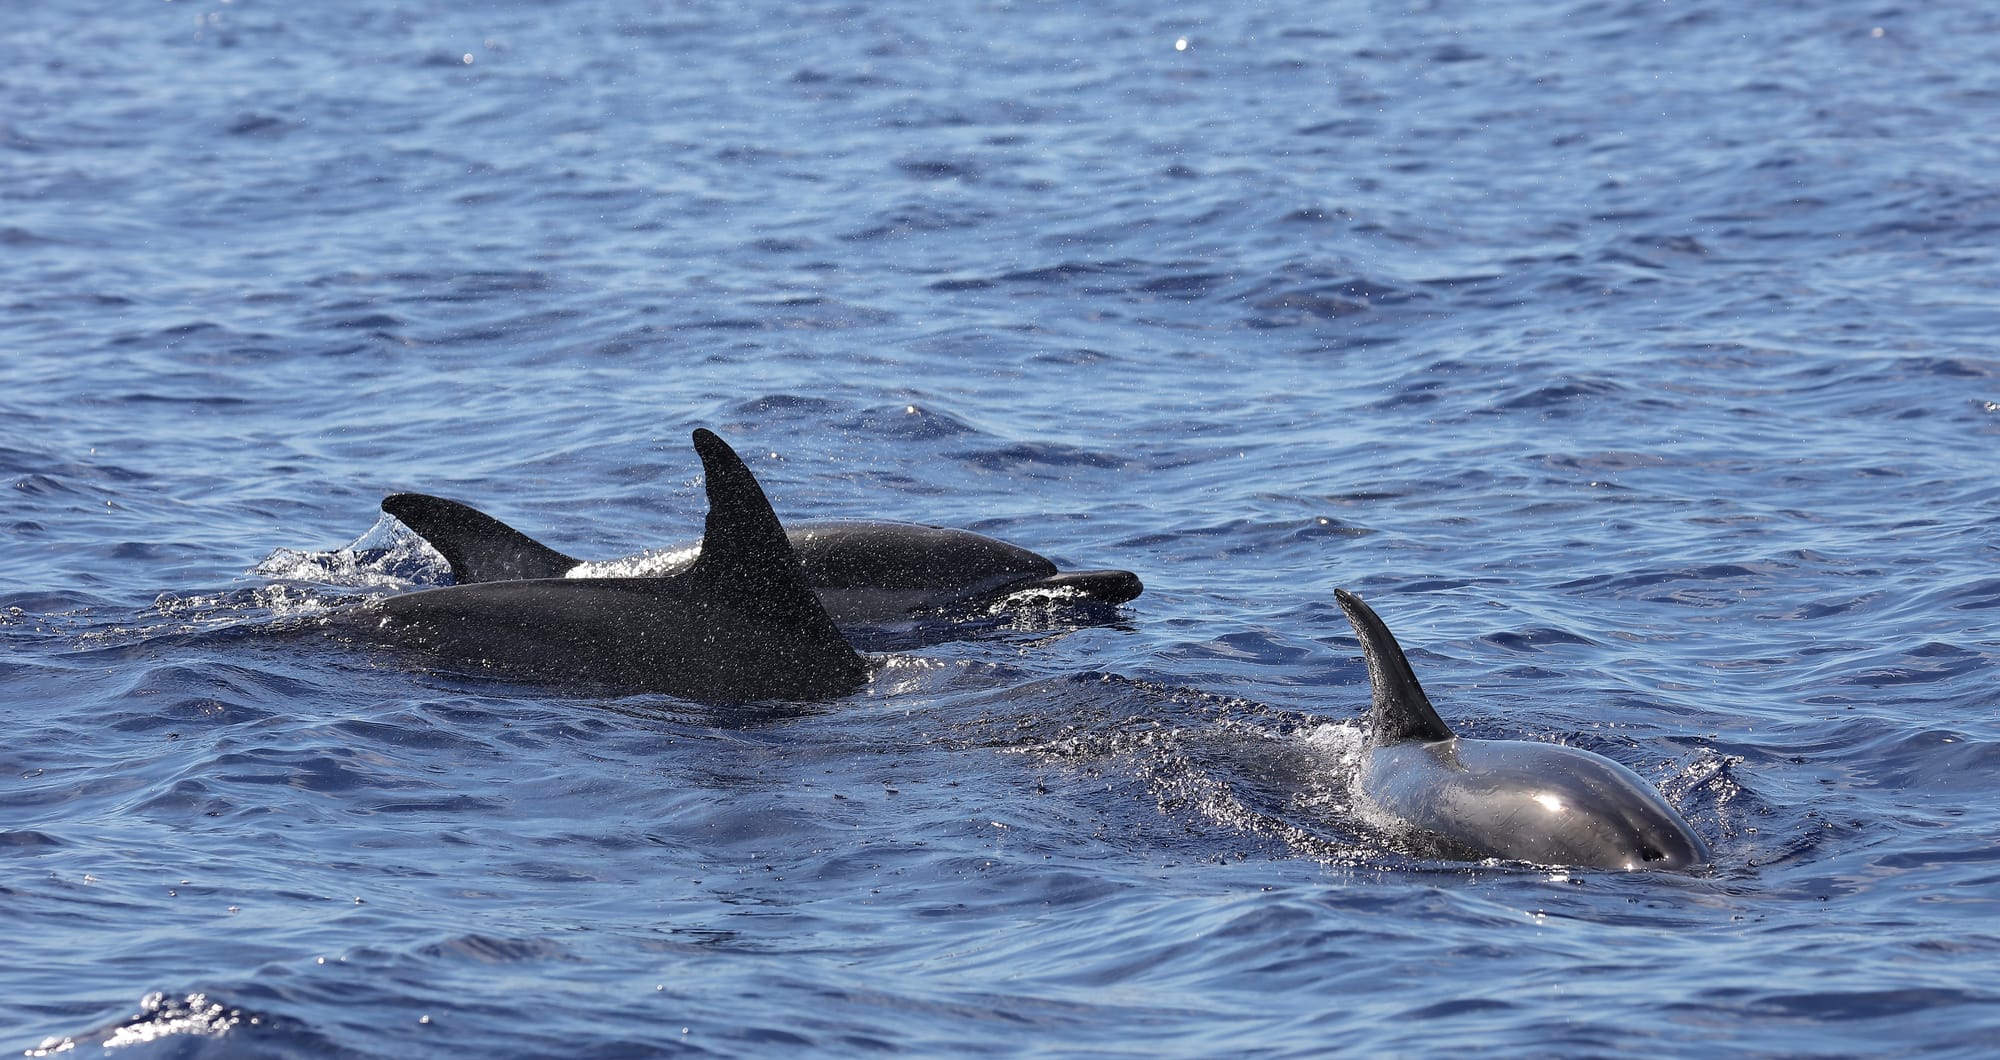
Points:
x=880 y=570
x=739 y=624
x=880 y=554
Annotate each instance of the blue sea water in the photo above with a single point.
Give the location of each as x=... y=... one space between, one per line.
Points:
x=1636 y=360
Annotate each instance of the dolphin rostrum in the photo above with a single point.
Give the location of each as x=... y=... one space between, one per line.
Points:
x=1518 y=800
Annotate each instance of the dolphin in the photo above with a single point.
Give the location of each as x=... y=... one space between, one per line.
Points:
x=737 y=624
x=863 y=571
x=1522 y=801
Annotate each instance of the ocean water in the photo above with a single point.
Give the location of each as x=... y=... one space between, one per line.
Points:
x=1636 y=360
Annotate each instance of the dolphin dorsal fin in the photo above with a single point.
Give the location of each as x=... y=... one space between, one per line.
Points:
x=742 y=536
x=479 y=547
x=747 y=559
x=1402 y=712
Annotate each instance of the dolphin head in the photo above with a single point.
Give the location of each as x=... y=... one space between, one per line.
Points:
x=1556 y=805
x=877 y=570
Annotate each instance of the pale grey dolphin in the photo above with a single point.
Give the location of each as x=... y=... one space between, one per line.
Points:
x=863 y=571
x=1538 y=802
x=739 y=623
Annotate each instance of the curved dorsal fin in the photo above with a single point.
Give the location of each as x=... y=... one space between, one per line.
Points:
x=747 y=565
x=742 y=536
x=1402 y=712
x=479 y=547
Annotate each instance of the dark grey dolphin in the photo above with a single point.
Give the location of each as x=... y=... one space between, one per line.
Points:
x=737 y=624
x=1537 y=802
x=863 y=571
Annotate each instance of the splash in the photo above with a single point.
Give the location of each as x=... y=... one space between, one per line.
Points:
x=1337 y=747
x=161 y=1017
x=1244 y=768
x=388 y=555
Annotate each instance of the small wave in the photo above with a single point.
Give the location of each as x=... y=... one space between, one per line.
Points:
x=264 y=126
x=910 y=422
x=16 y=236
x=1185 y=286
x=788 y=404
x=1932 y=661
x=1324 y=306
x=939 y=169
x=1047 y=454
x=28 y=841
x=1535 y=639
x=493 y=949
x=39 y=485
x=1559 y=396
x=1979 y=596
x=915 y=219
x=1845 y=1006
x=1070 y=272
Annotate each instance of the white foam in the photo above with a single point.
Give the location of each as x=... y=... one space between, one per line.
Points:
x=652 y=563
